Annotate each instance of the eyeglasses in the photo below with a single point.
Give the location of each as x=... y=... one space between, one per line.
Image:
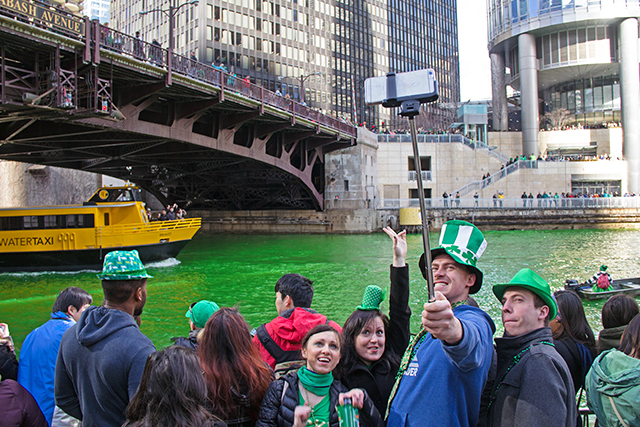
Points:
x=191 y=311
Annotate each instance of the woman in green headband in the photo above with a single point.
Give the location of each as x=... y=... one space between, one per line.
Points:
x=309 y=397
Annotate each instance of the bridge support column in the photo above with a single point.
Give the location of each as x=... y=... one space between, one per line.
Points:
x=630 y=90
x=529 y=93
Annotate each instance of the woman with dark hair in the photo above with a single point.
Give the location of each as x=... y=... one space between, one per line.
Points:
x=573 y=336
x=310 y=396
x=613 y=383
x=372 y=343
x=236 y=376
x=617 y=312
x=172 y=392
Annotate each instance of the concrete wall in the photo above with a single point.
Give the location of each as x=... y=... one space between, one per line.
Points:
x=24 y=184
x=355 y=167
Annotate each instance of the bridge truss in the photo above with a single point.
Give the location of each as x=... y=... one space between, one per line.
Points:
x=184 y=131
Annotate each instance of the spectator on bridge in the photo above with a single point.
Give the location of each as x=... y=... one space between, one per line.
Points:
x=524 y=199
x=138 y=47
x=475 y=201
x=495 y=200
x=457 y=198
x=445 y=196
x=246 y=82
x=539 y=197
x=155 y=53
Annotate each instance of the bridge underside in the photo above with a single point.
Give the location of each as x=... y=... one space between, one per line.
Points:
x=190 y=142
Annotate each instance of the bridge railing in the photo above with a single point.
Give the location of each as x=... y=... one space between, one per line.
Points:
x=155 y=54
x=517 y=203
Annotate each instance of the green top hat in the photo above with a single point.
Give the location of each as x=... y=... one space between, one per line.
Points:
x=123 y=265
x=603 y=268
x=199 y=312
x=372 y=298
x=528 y=279
x=463 y=242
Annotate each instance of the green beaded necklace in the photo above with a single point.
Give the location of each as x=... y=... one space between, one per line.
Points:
x=515 y=361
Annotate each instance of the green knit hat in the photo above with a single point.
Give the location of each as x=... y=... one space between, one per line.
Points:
x=123 y=265
x=463 y=242
x=528 y=279
x=372 y=298
x=199 y=312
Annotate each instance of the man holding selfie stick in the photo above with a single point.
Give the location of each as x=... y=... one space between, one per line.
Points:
x=444 y=369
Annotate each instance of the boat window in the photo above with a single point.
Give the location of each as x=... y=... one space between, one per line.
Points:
x=31 y=222
x=40 y=222
x=106 y=218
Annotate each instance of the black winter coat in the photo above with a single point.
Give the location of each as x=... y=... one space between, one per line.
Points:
x=380 y=378
x=278 y=408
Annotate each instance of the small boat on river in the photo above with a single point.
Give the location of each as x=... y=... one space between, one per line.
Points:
x=629 y=287
x=77 y=237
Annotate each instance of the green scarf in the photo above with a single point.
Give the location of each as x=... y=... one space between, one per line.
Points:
x=318 y=384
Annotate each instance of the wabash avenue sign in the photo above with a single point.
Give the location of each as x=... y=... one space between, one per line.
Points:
x=43 y=14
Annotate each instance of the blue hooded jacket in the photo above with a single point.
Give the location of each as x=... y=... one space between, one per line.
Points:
x=38 y=356
x=443 y=383
x=99 y=366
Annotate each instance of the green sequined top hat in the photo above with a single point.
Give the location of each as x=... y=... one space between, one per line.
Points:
x=123 y=265
x=528 y=279
x=372 y=298
x=603 y=268
x=463 y=242
x=199 y=312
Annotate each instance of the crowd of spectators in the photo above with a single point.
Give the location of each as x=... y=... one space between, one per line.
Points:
x=92 y=364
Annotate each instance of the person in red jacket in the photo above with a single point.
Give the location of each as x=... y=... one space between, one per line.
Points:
x=280 y=340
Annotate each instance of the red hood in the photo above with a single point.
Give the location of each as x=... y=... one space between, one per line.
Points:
x=293 y=328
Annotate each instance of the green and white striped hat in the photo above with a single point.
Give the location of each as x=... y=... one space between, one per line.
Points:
x=463 y=242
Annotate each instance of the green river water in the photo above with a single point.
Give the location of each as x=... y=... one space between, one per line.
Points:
x=241 y=270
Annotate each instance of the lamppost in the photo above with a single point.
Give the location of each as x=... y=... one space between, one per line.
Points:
x=302 y=79
x=171 y=13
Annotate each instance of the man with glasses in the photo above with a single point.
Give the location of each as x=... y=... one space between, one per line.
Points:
x=198 y=314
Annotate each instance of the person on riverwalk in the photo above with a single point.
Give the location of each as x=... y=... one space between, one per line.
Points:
x=373 y=343
x=601 y=281
x=440 y=381
x=237 y=378
x=617 y=312
x=40 y=349
x=198 y=314
x=613 y=383
x=309 y=397
x=534 y=384
x=102 y=357
x=280 y=340
x=573 y=337
x=8 y=359
x=17 y=407
x=172 y=392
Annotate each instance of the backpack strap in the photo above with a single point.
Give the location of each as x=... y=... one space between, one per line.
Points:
x=617 y=413
x=274 y=350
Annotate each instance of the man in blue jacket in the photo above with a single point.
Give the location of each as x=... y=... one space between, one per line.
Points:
x=40 y=349
x=102 y=357
x=445 y=367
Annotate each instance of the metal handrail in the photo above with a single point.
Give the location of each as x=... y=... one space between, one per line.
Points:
x=550 y=203
x=502 y=173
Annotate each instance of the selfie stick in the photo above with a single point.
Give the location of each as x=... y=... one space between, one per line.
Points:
x=411 y=109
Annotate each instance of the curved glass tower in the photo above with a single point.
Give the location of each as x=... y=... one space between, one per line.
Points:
x=579 y=55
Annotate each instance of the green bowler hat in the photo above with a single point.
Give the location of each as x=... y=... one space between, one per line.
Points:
x=529 y=279
x=372 y=298
x=123 y=265
x=463 y=242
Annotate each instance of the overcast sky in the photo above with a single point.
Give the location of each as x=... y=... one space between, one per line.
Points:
x=475 y=67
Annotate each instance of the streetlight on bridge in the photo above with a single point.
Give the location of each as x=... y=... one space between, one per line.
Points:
x=302 y=78
x=171 y=13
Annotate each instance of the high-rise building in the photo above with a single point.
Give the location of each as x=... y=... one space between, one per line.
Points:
x=97 y=9
x=325 y=49
x=578 y=55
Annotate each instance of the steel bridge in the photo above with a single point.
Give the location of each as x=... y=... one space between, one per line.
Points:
x=79 y=95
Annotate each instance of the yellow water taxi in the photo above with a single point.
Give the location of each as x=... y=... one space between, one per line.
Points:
x=77 y=237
